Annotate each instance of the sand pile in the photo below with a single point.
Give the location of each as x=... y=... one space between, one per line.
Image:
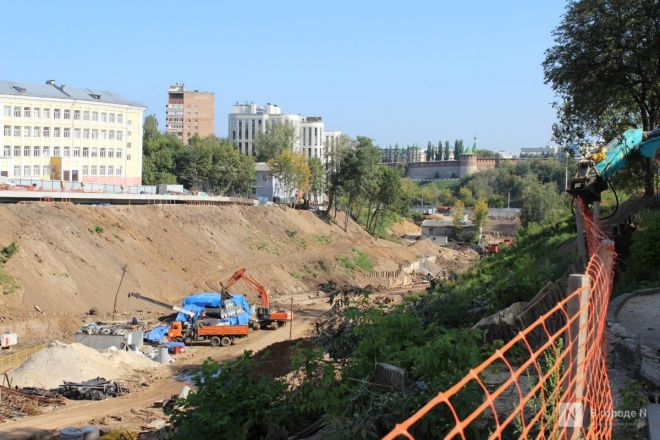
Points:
x=75 y=362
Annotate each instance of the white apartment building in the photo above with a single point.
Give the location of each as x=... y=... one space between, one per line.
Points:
x=57 y=132
x=247 y=120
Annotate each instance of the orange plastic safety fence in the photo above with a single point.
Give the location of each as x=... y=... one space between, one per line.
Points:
x=549 y=382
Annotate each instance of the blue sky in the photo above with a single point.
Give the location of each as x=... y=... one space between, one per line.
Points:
x=400 y=71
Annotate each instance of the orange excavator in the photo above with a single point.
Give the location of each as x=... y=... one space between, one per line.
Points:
x=265 y=318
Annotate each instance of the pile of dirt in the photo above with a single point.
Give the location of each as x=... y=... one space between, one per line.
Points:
x=75 y=362
x=276 y=359
x=404 y=228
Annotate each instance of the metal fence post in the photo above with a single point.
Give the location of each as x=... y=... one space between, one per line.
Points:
x=577 y=306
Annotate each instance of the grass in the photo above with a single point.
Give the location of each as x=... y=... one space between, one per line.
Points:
x=296 y=276
x=322 y=239
x=293 y=236
x=7 y=252
x=7 y=283
x=96 y=229
x=358 y=261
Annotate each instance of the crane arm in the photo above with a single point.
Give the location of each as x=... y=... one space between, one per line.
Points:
x=595 y=170
x=138 y=295
x=241 y=274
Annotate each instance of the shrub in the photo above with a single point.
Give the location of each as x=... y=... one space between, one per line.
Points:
x=7 y=252
x=96 y=229
x=93 y=311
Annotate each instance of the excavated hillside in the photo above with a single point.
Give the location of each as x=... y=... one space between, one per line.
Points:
x=70 y=257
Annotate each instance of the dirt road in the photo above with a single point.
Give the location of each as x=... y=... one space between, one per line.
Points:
x=83 y=412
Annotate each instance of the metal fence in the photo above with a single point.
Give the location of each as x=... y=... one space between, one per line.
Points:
x=57 y=185
x=15 y=359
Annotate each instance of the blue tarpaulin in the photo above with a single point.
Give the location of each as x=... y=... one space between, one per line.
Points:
x=157 y=333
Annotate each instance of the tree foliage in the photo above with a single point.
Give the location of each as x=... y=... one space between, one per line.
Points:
x=604 y=69
x=274 y=141
x=292 y=171
x=480 y=213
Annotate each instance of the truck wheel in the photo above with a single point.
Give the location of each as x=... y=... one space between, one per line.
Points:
x=179 y=339
x=281 y=323
x=225 y=341
x=255 y=326
x=215 y=341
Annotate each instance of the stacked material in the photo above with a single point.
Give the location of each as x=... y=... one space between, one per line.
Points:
x=99 y=328
x=94 y=389
x=75 y=362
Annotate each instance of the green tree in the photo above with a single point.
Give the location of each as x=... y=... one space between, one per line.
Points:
x=316 y=178
x=458 y=148
x=272 y=142
x=150 y=128
x=604 y=69
x=446 y=151
x=458 y=211
x=539 y=202
x=430 y=154
x=480 y=214
x=292 y=171
x=465 y=194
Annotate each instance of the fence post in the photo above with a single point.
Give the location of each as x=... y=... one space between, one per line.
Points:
x=578 y=306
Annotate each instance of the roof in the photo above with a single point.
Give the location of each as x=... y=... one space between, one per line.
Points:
x=261 y=166
x=54 y=91
x=437 y=223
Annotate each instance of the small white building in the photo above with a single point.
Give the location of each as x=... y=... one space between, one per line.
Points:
x=267 y=188
x=437 y=231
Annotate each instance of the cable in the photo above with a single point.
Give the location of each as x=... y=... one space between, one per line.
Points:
x=616 y=197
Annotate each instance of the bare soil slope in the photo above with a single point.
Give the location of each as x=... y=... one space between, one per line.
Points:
x=69 y=257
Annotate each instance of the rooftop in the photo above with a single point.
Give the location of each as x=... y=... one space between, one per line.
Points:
x=52 y=90
x=261 y=166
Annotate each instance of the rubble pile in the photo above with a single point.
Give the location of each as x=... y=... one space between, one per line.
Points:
x=94 y=389
x=99 y=328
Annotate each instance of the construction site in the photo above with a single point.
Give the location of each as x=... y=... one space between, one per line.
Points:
x=108 y=311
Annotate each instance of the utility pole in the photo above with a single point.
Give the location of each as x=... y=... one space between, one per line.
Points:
x=508 y=202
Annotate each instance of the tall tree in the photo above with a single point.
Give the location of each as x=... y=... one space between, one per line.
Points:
x=150 y=128
x=458 y=148
x=605 y=69
x=447 y=150
x=292 y=171
x=274 y=141
x=438 y=151
x=480 y=214
x=316 y=178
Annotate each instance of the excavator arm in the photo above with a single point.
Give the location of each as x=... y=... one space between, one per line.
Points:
x=241 y=274
x=161 y=304
x=597 y=167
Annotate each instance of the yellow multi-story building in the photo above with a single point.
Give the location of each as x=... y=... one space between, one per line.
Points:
x=57 y=132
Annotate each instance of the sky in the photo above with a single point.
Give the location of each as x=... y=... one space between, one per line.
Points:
x=404 y=72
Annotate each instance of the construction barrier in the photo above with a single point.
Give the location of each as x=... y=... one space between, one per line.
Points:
x=550 y=381
x=16 y=359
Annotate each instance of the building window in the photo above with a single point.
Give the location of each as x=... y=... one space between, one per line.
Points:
x=95 y=152
x=46 y=152
x=111 y=118
x=95 y=116
x=67 y=132
x=104 y=134
x=120 y=118
x=102 y=170
x=111 y=152
x=111 y=134
x=76 y=115
x=102 y=154
x=17 y=171
x=76 y=151
x=233 y=135
x=93 y=170
x=46 y=171
x=95 y=134
x=36 y=152
x=76 y=133
x=47 y=113
x=56 y=113
x=104 y=117
x=85 y=151
x=67 y=114
x=129 y=122
x=128 y=145
x=67 y=151
x=6 y=151
x=111 y=170
x=85 y=170
x=26 y=112
x=7 y=130
x=36 y=112
x=27 y=131
x=240 y=129
x=118 y=153
x=86 y=115
x=26 y=171
x=120 y=135
x=128 y=157
x=35 y=170
x=36 y=132
x=7 y=111
x=26 y=151
x=118 y=171
x=17 y=112
x=46 y=132
x=56 y=132
x=86 y=133
x=56 y=151
x=17 y=131
x=17 y=151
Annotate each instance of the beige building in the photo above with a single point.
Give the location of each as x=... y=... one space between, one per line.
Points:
x=57 y=132
x=189 y=113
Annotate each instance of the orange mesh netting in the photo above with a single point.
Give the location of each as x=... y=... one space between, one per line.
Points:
x=548 y=382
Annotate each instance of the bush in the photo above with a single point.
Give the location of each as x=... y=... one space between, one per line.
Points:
x=96 y=229
x=93 y=311
x=7 y=252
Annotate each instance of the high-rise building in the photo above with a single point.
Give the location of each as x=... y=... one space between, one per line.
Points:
x=247 y=120
x=189 y=113
x=57 y=132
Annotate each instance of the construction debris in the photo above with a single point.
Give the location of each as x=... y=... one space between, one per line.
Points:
x=94 y=389
x=16 y=403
